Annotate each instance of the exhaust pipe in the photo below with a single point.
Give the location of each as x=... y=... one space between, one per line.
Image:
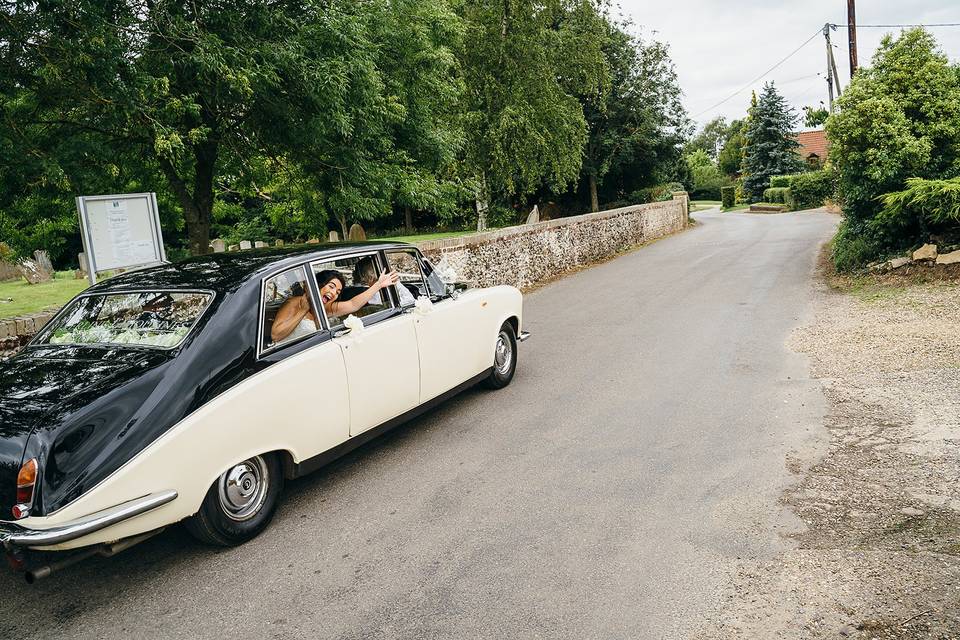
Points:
x=105 y=550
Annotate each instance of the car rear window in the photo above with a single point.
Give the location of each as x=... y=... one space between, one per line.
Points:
x=149 y=319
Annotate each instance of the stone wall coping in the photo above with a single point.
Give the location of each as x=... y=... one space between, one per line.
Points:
x=498 y=234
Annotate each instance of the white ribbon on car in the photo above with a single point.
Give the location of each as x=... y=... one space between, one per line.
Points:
x=422 y=306
x=356 y=327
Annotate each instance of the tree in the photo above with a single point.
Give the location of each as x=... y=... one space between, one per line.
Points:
x=709 y=139
x=898 y=119
x=770 y=142
x=204 y=94
x=524 y=64
x=815 y=116
x=636 y=130
x=731 y=155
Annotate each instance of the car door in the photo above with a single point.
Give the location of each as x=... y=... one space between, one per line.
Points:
x=448 y=334
x=381 y=359
x=303 y=391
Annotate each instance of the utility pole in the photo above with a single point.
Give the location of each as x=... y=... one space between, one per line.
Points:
x=826 y=35
x=852 y=31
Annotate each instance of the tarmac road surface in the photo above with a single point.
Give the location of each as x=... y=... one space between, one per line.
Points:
x=607 y=493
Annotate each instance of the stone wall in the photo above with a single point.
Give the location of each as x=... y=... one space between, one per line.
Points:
x=522 y=256
x=526 y=255
x=16 y=332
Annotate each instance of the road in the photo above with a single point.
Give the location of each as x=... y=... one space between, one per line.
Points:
x=607 y=493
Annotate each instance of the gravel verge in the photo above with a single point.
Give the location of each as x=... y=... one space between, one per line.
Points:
x=879 y=556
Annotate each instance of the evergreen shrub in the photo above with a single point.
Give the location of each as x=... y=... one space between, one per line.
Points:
x=728 y=196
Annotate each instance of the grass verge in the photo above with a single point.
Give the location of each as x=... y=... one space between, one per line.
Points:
x=17 y=297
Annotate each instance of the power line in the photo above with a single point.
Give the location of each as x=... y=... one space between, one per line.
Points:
x=760 y=77
x=894 y=26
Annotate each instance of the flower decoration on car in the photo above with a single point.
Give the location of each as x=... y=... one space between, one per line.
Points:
x=423 y=306
x=356 y=327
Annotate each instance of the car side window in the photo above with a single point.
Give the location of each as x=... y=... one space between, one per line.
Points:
x=412 y=284
x=436 y=288
x=288 y=309
x=357 y=274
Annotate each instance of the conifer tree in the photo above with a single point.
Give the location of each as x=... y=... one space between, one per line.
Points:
x=771 y=142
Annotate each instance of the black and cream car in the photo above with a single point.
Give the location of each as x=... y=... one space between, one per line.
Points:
x=161 y=395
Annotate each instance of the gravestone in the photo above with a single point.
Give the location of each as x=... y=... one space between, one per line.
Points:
x=334 y=236
x=313 y=241
x=357 y=234
x=42 y=258
x=32 y=272
x=233 y=247
x=278 y=243
x=260 y=244
x=218 y=245
x=82 y=260
x=245 y=244
x=534 y=216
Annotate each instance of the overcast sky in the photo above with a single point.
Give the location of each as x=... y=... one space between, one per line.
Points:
x=719 y=46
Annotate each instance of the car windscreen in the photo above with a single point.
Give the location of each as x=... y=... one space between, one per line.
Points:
x=149 y=319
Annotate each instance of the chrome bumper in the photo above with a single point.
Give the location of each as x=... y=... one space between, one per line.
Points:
x=523 y=336
x=13 y=535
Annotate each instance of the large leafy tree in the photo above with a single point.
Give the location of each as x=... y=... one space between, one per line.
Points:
x=899 y=119
x=710 y=138
x=203 y=95
x=636 y=129
x=771 y=145
x=524 y=64
x=731 y=154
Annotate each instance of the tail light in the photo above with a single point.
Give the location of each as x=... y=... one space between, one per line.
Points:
x=26 y=483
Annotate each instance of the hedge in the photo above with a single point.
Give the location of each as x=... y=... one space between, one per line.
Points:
x=728 y=196
x=778 y=195
x=780 y=182
x=811 y=190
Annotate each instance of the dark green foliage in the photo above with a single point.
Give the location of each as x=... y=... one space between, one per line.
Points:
x=659 y=193
x=636 y=127
x=898 y=119
x=771 y=145
x=728 y=196
x=812 y=189
x=709 y=139
x=730 y=159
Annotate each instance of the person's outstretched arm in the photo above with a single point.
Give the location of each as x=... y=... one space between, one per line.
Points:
x=349 y=306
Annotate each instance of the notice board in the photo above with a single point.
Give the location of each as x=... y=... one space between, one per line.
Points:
x=120 y=232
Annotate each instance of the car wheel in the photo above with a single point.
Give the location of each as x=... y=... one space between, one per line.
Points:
x=504 y=359
x=240 y=504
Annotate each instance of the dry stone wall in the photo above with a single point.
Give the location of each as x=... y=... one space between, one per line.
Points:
x=521 y=256
x=16 y=332
x=526 y=255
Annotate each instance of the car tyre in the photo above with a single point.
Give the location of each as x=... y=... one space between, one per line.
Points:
x=240 y=504
x=504 y=358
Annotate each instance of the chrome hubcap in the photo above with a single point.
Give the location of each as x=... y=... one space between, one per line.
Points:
x=503 y=356
x=243 y=489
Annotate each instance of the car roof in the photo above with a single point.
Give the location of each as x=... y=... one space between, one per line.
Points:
x=222 y=272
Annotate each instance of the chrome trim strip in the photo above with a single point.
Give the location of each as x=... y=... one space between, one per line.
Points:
x=523 y=336
x=15 y=535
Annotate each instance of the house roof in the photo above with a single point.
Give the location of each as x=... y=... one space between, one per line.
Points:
x=813 y=142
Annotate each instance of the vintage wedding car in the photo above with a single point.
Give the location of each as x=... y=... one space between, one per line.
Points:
x=163 y=395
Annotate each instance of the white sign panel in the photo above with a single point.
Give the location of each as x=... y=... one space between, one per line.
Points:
x=120 y=231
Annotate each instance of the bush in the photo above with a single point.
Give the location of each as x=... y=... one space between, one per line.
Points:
x=779 y=182
x=852 y=248
x=777 y=195
x=728 y=196
x=811 y=190
x=659 y=193
x=742 y=196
